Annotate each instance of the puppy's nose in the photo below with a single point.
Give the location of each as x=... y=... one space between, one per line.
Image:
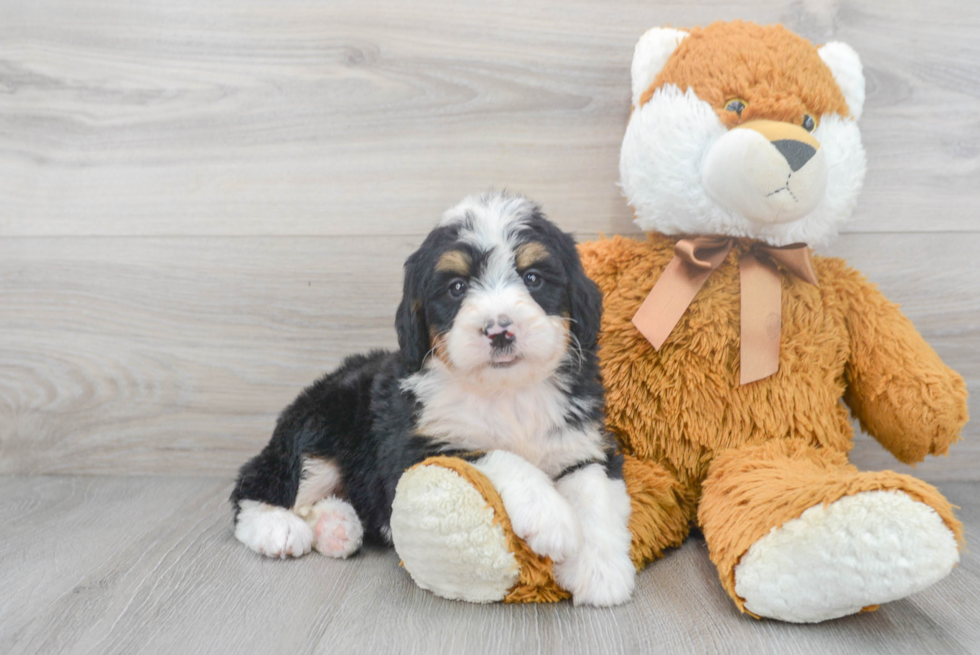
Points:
x=500 y=324
x=497 y=331
x=502 y=339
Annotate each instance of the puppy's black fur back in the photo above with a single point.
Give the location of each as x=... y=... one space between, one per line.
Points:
x=339 y=417
x=363 y=419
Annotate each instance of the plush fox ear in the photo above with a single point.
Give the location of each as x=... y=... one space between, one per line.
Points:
x=845 y=64
x=652 y=51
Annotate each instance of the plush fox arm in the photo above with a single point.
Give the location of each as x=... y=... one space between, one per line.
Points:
x=899 y=389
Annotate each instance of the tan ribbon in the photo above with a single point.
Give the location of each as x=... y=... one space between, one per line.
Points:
x=761 y=296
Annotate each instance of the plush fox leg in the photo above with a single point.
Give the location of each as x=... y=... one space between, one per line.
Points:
x=450 y=528
x=800 y=535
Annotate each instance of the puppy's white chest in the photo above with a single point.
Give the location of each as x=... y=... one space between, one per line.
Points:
x=516 y=422
x=531 y=423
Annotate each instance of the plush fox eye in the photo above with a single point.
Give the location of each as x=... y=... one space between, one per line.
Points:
x=735 y=105
x=457 y=287
x=808 y=123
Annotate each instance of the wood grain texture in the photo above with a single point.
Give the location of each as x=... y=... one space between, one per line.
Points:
x=232 y=117
x=121 y=565
x=172 y=356
x=206 y=204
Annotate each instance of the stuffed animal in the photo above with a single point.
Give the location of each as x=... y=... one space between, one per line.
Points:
x=727 y=350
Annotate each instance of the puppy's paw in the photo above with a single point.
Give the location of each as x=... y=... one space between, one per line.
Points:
x=538 y=513
x=601 y=573
x=595 y=577
x=548 y=526
x=338 y=530
x=272 y=531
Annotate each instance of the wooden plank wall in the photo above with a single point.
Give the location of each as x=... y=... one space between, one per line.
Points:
x=203 y=205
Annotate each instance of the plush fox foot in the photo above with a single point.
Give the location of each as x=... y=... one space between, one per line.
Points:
x=455 y=538
x=801 y=535
x=448 y=536
x=834 y=560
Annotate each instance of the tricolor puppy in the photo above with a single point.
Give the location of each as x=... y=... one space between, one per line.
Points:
x=497 y=334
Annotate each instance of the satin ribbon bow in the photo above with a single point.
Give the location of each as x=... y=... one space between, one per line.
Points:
x=761 y=300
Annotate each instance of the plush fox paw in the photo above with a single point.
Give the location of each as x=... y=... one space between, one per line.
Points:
x=455 y=537
x=860 y=551
x=446 y=534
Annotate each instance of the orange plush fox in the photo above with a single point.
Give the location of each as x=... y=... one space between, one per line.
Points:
x=727 y=349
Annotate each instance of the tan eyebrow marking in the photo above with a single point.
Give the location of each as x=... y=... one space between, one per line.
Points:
x=530 y=253
x=454 y=261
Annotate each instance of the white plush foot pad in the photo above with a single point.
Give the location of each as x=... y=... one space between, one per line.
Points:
x=336 y=526
x=444 y=533
x=866 y=549
x=272 y=531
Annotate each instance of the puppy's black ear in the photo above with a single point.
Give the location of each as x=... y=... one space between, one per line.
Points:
x=585 y=304
x=584 y=296
x=413 y=332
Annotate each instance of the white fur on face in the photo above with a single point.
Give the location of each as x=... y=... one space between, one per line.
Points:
x=494 y=216
x=744 y=172
x=538 y=349
x=524 y=407
x=662 y=164
x=493 y=224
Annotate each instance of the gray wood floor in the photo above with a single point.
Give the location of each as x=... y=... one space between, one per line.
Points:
x=204 y=204
x=124 y=565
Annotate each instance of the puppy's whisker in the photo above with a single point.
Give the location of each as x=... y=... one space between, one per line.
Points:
x=577 y=349
x=575 y=343
x=432 y=350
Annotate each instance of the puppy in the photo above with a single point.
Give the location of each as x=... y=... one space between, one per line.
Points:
x=497 y=334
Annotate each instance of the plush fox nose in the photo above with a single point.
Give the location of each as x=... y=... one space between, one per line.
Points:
x=796 y=153
x=497 y=331
x=795 y=144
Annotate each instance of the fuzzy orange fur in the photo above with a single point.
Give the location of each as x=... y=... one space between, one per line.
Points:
x=698 y=444
x=750 y=490
x=683 y=406
x=742 y=460
x=779 y=76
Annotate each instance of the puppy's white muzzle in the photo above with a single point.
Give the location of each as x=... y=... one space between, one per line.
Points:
x=767 y=171
x=504 y=329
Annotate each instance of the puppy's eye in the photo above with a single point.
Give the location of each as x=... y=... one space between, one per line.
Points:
x=808 y=123
x=533 y=279
x=457 y=288
x=735 y=105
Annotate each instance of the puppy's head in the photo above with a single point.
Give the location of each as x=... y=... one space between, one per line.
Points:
x=497 y=295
